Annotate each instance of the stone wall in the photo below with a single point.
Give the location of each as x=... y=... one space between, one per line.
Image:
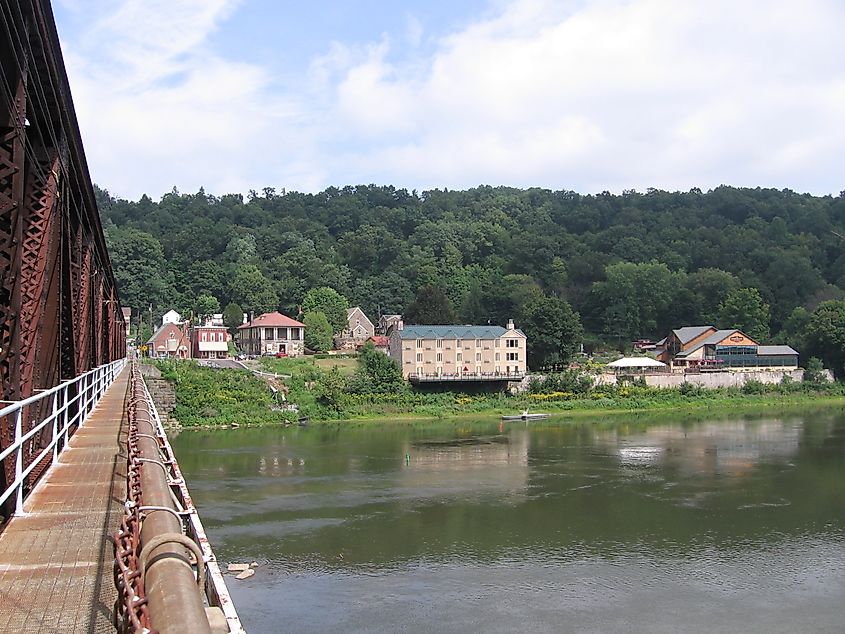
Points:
x=163 y=395
x=711 y=379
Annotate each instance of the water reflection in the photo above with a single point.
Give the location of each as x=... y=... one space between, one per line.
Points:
x=522 y=527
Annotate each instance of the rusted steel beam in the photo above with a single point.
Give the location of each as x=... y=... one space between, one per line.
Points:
x=40 y=251
x=12 y=139
x=55 y=274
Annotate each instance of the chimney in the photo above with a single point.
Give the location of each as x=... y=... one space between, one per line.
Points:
x=400 y=324
x=510 y=324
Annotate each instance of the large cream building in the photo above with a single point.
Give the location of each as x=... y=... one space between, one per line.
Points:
x=459 y=352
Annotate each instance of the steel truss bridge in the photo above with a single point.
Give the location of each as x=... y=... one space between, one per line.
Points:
x=60 y=315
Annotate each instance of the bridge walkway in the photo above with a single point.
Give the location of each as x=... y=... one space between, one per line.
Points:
x=56 y=560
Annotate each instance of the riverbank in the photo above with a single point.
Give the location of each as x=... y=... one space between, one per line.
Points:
x=208 y=398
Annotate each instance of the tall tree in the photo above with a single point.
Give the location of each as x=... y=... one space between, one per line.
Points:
x=430 y=306
x=233 y=316
x=205 y=306
x=140 y=270
x=318 y=331
x=744 y=309
x=252 y=290
x=329 y=302
x=637 y=298
x=553 y=330
x=825 y=335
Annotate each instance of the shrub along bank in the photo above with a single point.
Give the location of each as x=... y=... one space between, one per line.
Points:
x=329 y=389
x=209 y=396
x=374 y=391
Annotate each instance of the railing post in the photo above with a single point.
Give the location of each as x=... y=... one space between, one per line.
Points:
x=19 y=461
x=64 y=415
x=54 y=437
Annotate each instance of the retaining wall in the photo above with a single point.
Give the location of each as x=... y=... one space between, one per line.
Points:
x=711 y=379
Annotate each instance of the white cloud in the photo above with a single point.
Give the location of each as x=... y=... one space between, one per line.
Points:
x=614 y=94
x=587 y=95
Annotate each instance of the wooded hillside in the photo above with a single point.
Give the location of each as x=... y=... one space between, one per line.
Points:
x=632 y=265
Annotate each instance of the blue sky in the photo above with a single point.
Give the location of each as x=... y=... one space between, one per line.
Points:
x=589 y=95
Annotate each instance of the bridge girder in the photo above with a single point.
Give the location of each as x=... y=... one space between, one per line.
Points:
x=60 y=313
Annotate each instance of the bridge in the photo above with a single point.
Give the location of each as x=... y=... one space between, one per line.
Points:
x=97 y=528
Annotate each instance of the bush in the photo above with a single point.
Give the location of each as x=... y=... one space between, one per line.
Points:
x=752 y=386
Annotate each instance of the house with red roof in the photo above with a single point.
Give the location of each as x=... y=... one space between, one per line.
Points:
x=271 y=333
x=170 y=341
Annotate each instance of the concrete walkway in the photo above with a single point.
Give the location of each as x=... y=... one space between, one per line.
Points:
x=56 y=561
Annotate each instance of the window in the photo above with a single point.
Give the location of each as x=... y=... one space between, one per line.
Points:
x=458 y=343
x=497 y=356
x=478 y=343
x=419 y=357
x=440 y=357
x=477 y=357
x=281 y=333
x=268 y=333
x=203 y=335
x=439 y=343
x=512 y=356
x=460 y=356
x=419 y=343
x=496 y=343
x=512 y=343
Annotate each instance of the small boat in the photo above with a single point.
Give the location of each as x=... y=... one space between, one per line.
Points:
x=526 y=416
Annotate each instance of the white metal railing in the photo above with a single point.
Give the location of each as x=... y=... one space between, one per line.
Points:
x=71 y=403
x=216 y=591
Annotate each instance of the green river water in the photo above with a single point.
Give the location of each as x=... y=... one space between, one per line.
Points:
x=619 y=525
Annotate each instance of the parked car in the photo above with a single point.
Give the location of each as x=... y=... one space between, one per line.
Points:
x=279 y=355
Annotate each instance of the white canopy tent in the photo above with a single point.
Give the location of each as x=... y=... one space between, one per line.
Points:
x=636 y=364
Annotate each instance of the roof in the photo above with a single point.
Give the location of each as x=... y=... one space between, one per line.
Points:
x=454 y=332
x=164 y=327
x=774 y=351
x=272 y=320
x=636 y=362
x=379 y=341
x=688 y=333
x=716 y=337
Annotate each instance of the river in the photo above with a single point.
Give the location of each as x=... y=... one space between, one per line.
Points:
x=618 y=525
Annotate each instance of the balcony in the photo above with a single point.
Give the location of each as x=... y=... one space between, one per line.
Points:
x=467 y=377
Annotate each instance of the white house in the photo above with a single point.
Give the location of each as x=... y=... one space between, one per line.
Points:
x=171 y=317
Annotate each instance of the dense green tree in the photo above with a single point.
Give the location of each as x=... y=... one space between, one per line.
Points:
x=233 y=316
x=710 y=287
x=252 y=290
x=378 y=373
x=205 y=306
x=744 y=309
x=637 y=299
x=141 y=272
x=825 y=335
x=329 y=302
x=430 y=306
x=553 y=330
x=318 y=331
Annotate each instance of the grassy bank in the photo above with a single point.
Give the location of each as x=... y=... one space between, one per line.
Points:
x=406 y=403
x=217 y=397
x=214 y=397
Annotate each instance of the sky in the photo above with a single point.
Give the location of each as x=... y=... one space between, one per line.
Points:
x=583 y=95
